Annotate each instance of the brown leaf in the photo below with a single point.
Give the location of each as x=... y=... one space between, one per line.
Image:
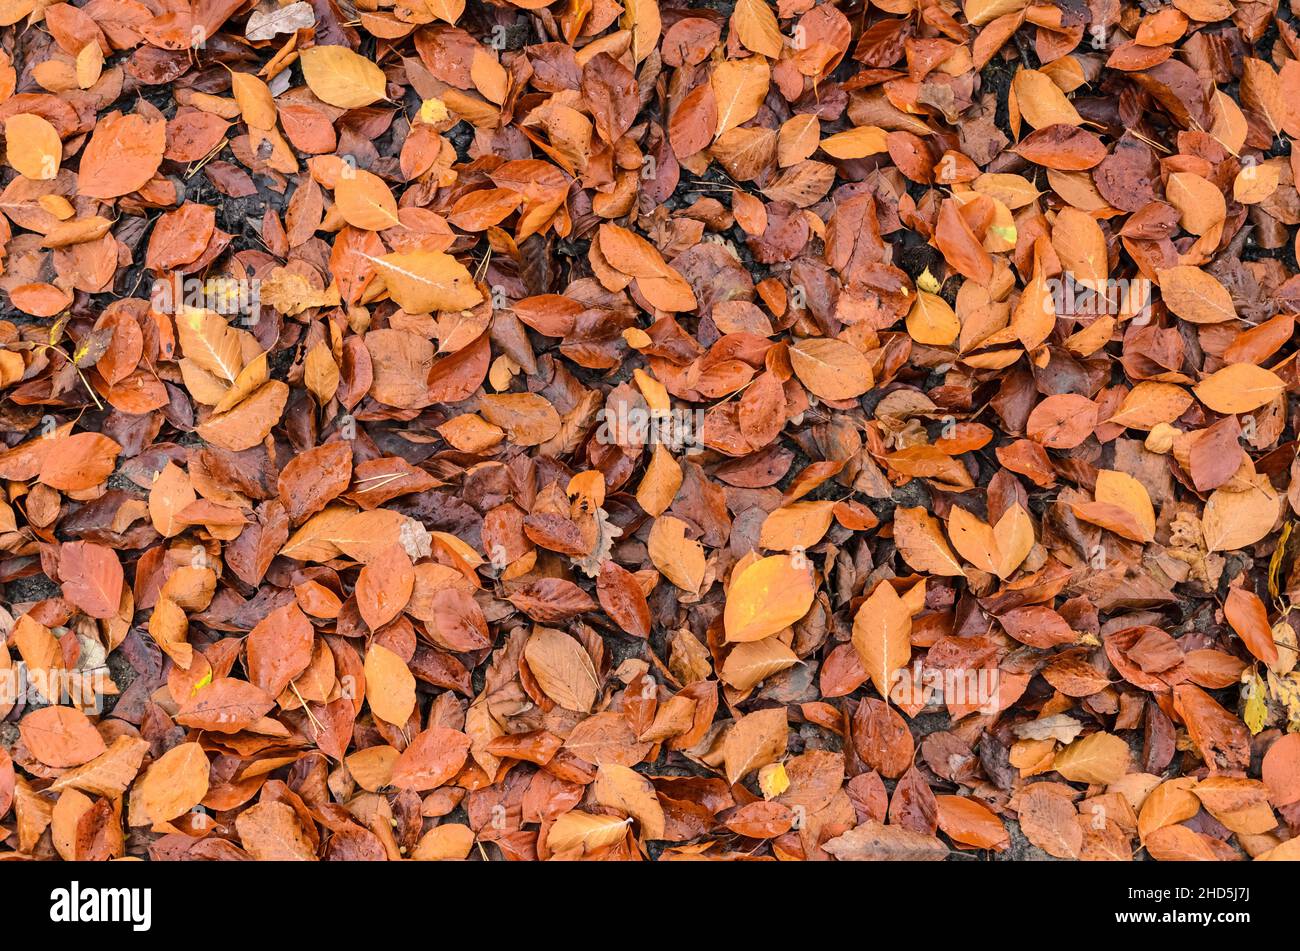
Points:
x=270 y=832
x=123 y=153
x=1249 y=618
x=874 y=842
x=768 y=596
x=61 y=737
x=623 y=600
x=92 y=578
x=433 y=757
x=225 y=705
x=563 y=669
x=279 y=648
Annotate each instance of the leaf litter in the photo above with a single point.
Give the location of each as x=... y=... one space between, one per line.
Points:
x=598 y=430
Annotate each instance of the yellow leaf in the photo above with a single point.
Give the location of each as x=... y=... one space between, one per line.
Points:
x=1256 y=711
x=433 y=111
x=855 y=143
x=755 y=24
x=342 y=78
x=33 y=146
x=773 y=780
x=583 y=830
x=1041 y=101
x=973 y=539
x=928 y=283
x=426 y=281
x=1100 y=758
x=931 y=320
x=740 y=86
x=882 y=632
x=767 y=596
x=1120 y=488
x=364 y=200
x=202 y=682
x=1239 y=388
